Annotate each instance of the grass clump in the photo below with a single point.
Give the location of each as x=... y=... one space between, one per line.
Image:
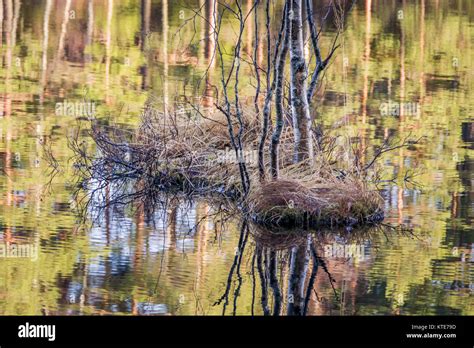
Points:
x=191 y=152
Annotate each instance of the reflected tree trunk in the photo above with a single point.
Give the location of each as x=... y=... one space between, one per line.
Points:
x=8 y=56
x=422 y=53
x=90 y=30
x=145 y=32
x=402 y=64
x=263 y=281
x=44 y=60
x=299 y=261
x=16 y=16
x=365 y=90
x=172 y=223
x=401 y=127
x=10 y=29
x=211 y=23
x=208 y=25
x=60 y=50
x=108 y=48
x=9 y=17
x=202 y=215
x=145 y=23
x=9 y=49
x=140 y=229
x=107 y=213
x=165 y=55
x=1 y=23
x=277 y=298
x=249 y=28
x=312 y=278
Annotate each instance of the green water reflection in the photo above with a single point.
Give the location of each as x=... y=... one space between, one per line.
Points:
x=403 y=68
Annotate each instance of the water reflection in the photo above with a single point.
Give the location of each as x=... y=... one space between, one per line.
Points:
x=292 y=266
x=177 y=260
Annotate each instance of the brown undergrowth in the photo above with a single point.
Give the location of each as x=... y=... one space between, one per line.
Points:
x=190 y=152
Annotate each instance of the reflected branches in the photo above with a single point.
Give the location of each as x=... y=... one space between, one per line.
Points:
x=304 y=262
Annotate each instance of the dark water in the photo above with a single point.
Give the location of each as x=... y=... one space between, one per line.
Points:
x=404 y=68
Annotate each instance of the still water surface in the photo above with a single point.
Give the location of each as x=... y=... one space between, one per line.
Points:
x=413 y=56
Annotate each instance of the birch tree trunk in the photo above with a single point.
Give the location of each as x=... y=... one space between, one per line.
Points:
x=299 y=261
x=299 y=101
x=279 y=77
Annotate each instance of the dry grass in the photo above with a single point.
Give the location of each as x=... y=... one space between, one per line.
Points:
x=290 y=203
x=184 y=152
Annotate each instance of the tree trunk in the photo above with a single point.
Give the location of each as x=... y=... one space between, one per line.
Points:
x=274 y=283
x=279 y=75
x=299 y=101
x=296 y=283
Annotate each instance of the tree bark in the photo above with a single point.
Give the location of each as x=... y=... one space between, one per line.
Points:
x=279 y=75
x=303 y=149
x=274 y=283
x=296 y=283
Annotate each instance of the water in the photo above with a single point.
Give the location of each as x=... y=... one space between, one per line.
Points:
x=413 y=56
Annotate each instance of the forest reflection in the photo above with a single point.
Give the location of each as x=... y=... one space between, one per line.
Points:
x=186 y=256
x=287 y=265
x=271 y=271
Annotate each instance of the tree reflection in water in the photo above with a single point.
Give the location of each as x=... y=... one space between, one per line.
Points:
x=288 y=263
x=284 y=265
